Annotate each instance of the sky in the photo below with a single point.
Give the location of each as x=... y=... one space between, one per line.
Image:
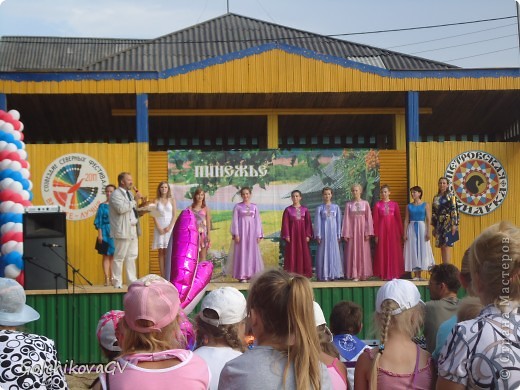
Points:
x=492 y=44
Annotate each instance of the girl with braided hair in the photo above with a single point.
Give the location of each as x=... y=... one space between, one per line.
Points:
x=398 y=363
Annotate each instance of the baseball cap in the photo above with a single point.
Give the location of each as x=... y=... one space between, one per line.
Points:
x=403 y=292
x=151 y=298
x=319 y=318
x=13 y=310
x=228 y=303
x=106 y=330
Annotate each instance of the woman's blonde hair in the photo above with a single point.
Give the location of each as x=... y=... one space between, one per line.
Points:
x=169 y=337
x=284 y=303
x=494 y=261
x=408 y=322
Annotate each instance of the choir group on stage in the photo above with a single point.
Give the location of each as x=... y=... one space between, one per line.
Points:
x=343 y=241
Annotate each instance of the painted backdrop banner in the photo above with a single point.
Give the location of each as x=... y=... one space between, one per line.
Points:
x=272 y=175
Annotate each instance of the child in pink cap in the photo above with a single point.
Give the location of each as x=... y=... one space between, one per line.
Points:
x=152 y=355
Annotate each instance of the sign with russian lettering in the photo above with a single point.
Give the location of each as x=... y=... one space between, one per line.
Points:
x=76 y=183
x=479 y=181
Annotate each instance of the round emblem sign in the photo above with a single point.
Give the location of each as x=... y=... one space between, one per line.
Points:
x=479 y=181
x=76 y=183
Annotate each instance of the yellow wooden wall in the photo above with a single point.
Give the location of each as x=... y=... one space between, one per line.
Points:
x=273 y=71
x=392 y=171
x=81 y=235
x=428 y=162
x=158 y=171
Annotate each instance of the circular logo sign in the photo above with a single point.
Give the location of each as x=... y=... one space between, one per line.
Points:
x=76 y=183
x=479 y=181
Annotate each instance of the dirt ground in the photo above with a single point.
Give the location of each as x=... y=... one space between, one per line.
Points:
x=80 y=381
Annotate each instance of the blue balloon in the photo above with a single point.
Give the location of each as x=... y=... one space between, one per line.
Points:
x=7 y=137
x=16 y=176
x=13 y=257
x=18 y=144
x=6 y=173
x=10 y=217
x=24 y=183
x=30 y=196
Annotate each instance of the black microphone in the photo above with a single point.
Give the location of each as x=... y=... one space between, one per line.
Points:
x=51 y=245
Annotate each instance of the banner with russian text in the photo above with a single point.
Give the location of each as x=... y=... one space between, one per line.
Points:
x=272 y=174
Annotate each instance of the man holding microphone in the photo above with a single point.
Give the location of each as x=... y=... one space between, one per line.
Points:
x=124 y=228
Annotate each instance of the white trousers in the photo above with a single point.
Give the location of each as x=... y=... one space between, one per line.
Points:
x=126 y=251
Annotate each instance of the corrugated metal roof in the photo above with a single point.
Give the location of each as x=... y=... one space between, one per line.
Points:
x=216 y=37
x=55 y=53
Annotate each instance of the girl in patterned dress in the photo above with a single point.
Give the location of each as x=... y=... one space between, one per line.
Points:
x=445 y=219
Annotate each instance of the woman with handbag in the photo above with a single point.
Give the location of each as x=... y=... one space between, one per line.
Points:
x=105 y=243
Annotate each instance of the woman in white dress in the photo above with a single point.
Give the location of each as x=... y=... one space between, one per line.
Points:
x=164 y=222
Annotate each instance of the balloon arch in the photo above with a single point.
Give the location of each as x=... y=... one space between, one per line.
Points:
x=15 y=194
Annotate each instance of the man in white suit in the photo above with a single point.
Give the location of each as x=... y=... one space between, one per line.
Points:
x=124 y=228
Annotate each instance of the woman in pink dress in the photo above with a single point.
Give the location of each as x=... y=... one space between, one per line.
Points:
x=203 y=217
x=356 y=231
x=297 y=232
x=388 y=232
x=246 y=230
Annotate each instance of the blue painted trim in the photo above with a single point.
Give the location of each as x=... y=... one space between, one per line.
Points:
x=152 y=75
x=3 y=101
x=412 y=116
x=141 y=117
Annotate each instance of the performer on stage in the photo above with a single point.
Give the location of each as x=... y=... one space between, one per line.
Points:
x=388 y=233
x=297 y=232
x=124 y=228
x=327 y=224
x=246 y=231
x=357 y=229
x=418 y=255
x=202 y=214
x=105 y=243
x=163 y=224
x=445 y=219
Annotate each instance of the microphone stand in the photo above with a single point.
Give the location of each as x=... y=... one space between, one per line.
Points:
x=57 y=276
x=74 y=272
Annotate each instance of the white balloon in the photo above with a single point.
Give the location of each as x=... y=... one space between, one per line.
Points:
x=7 y=126
x=11 y=147
x=16 y=186
x=30 y=185
x=8 y=247
x=18 y=227
x=17 y=135
x=4 y=164
x=1 y=123
x=25 y=194
x=21 y=127
x=17 y=208
x=15 y=165
x=15 y=114
x=5 y=206
x=25 y=173
x=3 y=145
x=7 y=227
x=23 y=145
x=11 y=271
x=5 y=183
x=22 y=154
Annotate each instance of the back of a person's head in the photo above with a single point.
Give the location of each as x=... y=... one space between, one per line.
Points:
x=447 y=274
x=13 y=310
x=284 y=303
x=221 y=317
x=106 y=333
x=151 y=321
x=346 y=318
x=465 y=274
x=399 y=309
x=495 y=264
x=469 y=308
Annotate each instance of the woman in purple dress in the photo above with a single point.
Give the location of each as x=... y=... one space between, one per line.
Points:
x=357 y=229
x=297 y=232
x=327 y=230
x=246 y=231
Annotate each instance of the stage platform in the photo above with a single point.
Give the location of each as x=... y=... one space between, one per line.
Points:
x=70 y=316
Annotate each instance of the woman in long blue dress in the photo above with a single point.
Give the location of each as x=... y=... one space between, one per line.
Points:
x=327 y=231
x=418 y=255
x=105 y=245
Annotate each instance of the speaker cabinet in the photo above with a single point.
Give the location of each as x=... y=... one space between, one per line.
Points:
x=45 y=251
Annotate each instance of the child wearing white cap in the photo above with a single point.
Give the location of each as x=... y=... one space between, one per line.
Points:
x=220 y=329
x=398 y=363
x=28 y=361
